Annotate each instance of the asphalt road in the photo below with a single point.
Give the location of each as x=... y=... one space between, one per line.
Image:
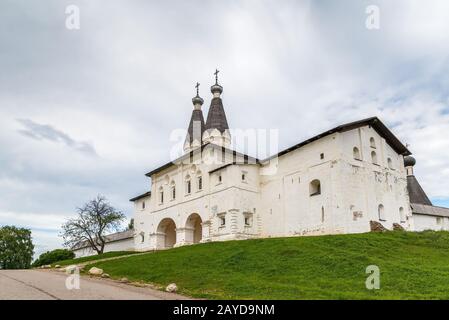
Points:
x=51 y=285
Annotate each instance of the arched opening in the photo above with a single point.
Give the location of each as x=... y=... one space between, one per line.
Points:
x=315 y=187
x=374 y=157
x=372 y=142
x=381 y=212
x=356 y=153
x=166 y=234
x=194 y=228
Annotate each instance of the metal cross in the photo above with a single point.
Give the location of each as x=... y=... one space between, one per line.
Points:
x=197 y=88
x=216 y=75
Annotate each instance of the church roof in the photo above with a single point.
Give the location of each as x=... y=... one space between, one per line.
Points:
x=429 y=210
x=196 y=119
x=416 y=192
x=373 y=122
x=216 y=117
x=146 y=194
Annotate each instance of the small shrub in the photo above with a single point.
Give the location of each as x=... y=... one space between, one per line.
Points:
x=50 y=257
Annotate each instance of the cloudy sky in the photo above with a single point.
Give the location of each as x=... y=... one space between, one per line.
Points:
x=89 y=111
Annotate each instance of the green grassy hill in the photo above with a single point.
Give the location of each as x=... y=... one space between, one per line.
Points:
x=412 y=266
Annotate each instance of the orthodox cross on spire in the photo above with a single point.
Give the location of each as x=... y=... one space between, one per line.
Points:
x=197 y=86
x=216 y=75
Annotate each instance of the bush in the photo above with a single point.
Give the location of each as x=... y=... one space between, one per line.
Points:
x=50 y=257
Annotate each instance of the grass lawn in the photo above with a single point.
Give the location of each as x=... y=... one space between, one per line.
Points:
x=412 y=266
x=93 y=258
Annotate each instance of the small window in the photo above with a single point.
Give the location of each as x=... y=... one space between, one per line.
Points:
x=381 y=212
x=439 y=221
x=372 y=142
x=402 y=214
x=322 y=214
x=219 y=178
x=142 y=237
x=188 y=186
x=374 y=157
x=315 y=187
x=222 y=221
x=322 y=156
x=243 y=177
x=173 y=193
x=161 y=195
x=200 y=183
x=247 y=221
x=356 y=153
x=143 y=205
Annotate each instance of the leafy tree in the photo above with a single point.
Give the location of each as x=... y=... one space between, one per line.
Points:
x=16 y=248
x=53 y=256
x=95 y=219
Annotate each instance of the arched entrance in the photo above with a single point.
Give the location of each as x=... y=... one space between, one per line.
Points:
x=166 y=234
x=194 y=229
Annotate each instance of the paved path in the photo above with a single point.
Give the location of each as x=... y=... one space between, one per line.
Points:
x=51 y=285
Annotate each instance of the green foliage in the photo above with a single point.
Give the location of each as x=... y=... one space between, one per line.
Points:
x=412 y=266
x=53 y=256
x=106 y=255
x=16 y=248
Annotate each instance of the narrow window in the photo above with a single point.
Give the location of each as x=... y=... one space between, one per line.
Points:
x=390 y=163
x=372 y=142
x=173 y=193
x=374 y=157
x=161 y=195
x=142 y=237
x=247 y=221
x=322 y=156
x=315 y=188
x=189 y=187
x=322 y=214
x=381 y=212
x=200 y=183
x=356 y=153
x=222 y=221
x=219 y=178
x=143 y=205
x=243 y=177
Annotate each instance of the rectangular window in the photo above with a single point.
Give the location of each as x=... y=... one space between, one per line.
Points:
x=189 y=187
x=243 y=177
x=219 y=178
x=200 y=183
x=143 y=205
x=161 y=197
x=247 y=221
x=173 y=193
x=223 y=221
x=322 y=156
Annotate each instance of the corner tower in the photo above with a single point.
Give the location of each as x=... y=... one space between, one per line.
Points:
x=217 y=129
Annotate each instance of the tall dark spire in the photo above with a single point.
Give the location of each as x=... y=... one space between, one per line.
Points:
x=216 y=118
x=415 y=192
x=196 y=125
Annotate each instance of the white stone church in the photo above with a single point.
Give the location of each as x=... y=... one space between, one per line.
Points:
x=345 y=180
